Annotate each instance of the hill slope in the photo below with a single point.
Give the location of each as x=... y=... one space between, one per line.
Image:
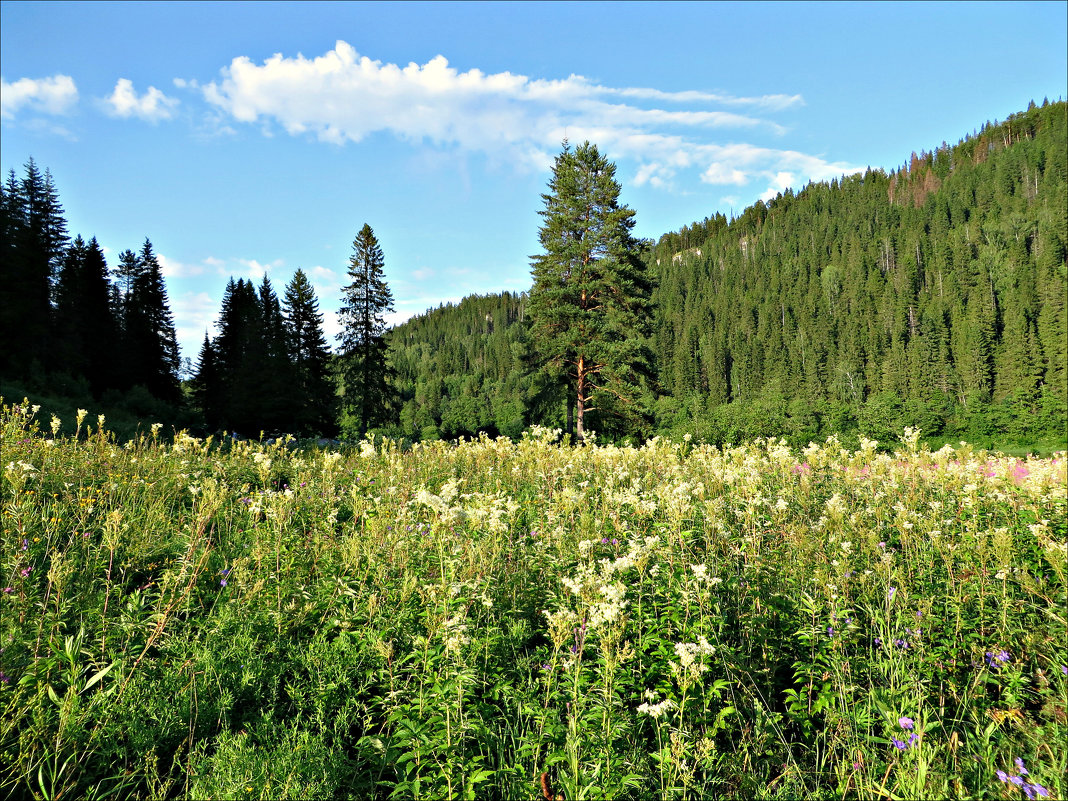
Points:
x=931 y=296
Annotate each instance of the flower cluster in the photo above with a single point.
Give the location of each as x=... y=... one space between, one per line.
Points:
x=997 y=659
x=906 y=724
x=1030 y=789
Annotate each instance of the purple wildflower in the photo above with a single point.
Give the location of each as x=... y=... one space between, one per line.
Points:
x=898 y=744
x=905 y=723
x=914 y=738
x=830 y=632
x=1002 y=776
x=890 y=595
x=1040 y=791
x=1064 y=670
x=26 y=571
x=4 y=678
x=1016 y=780
x=1020 y=766
x=8 y=590
x=222 y=582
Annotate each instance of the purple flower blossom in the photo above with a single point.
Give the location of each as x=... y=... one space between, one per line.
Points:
x=26 y=571
x=905 y=723
x=1016 y=780
x=25 y=544
x=4 y=678
x=830 y=632
x=898 y=744
x=222 y=582
x=1064 y=670
x=890 y=594
x=914 y=738
x=1020 y=766
x=8 y=590
x=1002 y=776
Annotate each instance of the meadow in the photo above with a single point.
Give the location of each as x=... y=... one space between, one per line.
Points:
x=497 y=619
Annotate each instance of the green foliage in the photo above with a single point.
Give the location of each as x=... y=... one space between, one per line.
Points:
x=367 y=396
x=461 y=370
x=590 y=300
x=941 y=284
x=454 y=621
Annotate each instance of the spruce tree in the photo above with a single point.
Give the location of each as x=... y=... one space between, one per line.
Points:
x=368 y=396
x=207 y=385
x=590 y=304
x=149 y=330
x=85 y=329
x=308 y=353
x=35 y=240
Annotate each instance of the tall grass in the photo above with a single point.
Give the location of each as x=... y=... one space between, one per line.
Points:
x=483 y=619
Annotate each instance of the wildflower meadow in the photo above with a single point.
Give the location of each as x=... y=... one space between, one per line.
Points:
x=518 y=620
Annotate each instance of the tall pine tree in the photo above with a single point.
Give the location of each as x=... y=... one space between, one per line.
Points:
x=590 y=304
x=369 y=399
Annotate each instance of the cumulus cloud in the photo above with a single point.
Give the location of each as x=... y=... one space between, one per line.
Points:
x=54 y=95
x=342 y=97
x=152 y=106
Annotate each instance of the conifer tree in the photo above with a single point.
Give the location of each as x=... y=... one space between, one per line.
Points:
x=590 y=302
x=207 y=385
x=315 y=411
x=149 y=330
x=368 y=396
x=35 y=239
x=85 y=330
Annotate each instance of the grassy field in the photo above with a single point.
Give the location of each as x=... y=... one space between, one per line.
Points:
x=244 y=621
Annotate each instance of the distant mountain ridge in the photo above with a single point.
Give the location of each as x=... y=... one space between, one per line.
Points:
x=933 y=295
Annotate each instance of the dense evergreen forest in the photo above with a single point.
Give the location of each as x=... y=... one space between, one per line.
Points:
x=932 y=296
x=70 y=327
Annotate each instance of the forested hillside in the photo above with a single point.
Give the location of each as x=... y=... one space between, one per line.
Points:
x=462 y=368
x=931 y=296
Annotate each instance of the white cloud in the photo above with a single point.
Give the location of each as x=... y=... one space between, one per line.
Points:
x=254 y=269
x=152 y=106
x=720 y=173
x=341 y=97
x=176 y=269
x=780 y=182
x=54 y=95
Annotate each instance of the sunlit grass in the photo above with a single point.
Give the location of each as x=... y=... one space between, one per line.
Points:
x=256 y=621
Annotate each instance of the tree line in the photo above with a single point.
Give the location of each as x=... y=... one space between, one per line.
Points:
x=64 y=316
x=932 y=296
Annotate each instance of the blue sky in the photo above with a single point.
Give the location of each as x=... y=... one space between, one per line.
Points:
x=246 y=138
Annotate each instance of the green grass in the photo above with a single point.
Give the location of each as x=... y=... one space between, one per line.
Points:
x=455 y=621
